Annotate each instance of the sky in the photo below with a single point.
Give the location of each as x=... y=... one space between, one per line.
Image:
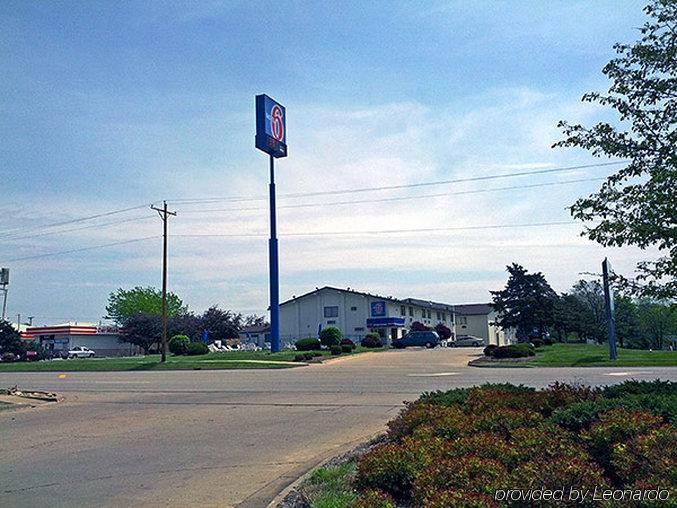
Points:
x=107 y=106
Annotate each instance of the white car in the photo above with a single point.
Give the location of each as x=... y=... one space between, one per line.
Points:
x=80 y=352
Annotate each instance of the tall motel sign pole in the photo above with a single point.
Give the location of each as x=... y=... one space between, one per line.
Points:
x=609 y=304
x=271 y=138
x=4 y=282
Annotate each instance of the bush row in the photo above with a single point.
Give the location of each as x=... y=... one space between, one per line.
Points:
x=456 y=448
x=181 y=345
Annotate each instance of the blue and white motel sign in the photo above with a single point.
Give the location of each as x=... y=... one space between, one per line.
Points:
x=271 y=126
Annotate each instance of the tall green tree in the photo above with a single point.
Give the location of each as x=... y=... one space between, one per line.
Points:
x=10 y=340
x=658 y=320
x=124 y=304
x=527 y=303
x=628 y=326
x=636 y=205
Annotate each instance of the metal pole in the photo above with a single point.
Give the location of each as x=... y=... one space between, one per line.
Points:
x=164 y=283
x=4 y=303
x=609 y=304
x=274 y=270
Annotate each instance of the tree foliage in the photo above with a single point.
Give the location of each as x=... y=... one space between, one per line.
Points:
x=443 y=331
x=126 y=303
x=143 y=330
x=527 y=303
x=10 y=340
x=636 y=205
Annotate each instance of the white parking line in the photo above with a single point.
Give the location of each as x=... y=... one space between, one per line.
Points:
x=629 y=373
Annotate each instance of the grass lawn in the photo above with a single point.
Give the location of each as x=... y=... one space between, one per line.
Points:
x=212 y=361
x=331 y=486
x=587 y=355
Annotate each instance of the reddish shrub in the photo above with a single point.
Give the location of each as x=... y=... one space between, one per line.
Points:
x=460 y=499
x=485 y=445
x=546 y=441
x=503 y=420
x=652 y=454
x=617 y=426
x=468 y=474
x=374 y=499
x=557 y=472
x=390 y=468
x=447 y=421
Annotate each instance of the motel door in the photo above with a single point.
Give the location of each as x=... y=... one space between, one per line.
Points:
x=393 y=334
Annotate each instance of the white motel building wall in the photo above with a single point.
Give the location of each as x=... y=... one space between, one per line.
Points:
x=356 y=314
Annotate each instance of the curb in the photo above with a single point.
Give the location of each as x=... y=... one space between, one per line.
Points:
x=488 y=364
x=338 y=451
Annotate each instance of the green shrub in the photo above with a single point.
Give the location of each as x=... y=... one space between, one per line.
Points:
x=633 y=387
x=537 y=342
x=346 y=348
x=348 y=342
x=581 y=415
x=454 y=397
x=459 y=499
x=178 y=344
x=330 y=336
x=449 y=420
x=372 y=498
x=197 y=348
x=373 y=335
x=307 y=344
x=300 y=358
x=489 y=349
x=514 y=351
x=335 y=350
x=371 y=342
x=548 y=342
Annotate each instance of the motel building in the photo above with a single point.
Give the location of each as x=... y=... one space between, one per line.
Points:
x=357 y=313
x=103 y=340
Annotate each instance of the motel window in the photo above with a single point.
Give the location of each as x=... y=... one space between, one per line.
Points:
x=439 y=316
x=359 y=329
x=403 y=310
x=331 y=311
x=429 y=313
x=331 y=322
x=444 y=316
x=463 y=320
x=353 y=308
x=411 y=311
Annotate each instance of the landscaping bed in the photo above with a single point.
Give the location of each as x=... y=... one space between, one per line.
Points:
x=467 y=447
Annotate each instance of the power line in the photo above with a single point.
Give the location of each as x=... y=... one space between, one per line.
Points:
x=82 y=249
x=401 y=186
x=378 y=231
x=73 y=221
x=103 y=225
x=402 y=198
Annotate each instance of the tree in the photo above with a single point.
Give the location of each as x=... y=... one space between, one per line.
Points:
x=221 y=324
x=126 y=303
x=627 y=321
x=527 y=303
x=657 y=320
x=255 y=320
x=636 y=205
x=592 y=309
x=10 y=340
x=186 y=323
x=143 y=330
x=443 y=331
x=417 y=326
x=330 y=336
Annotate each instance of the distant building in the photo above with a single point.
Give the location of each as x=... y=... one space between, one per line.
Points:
x=357 y=313
x=103 y=340
x=258 y=335
x=477 y=319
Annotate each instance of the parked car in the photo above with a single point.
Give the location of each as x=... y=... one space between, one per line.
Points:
x=468 y=341
x=79 y=352
x=427 y=339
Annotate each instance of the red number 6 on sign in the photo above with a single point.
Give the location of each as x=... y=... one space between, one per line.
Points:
x=276 y=124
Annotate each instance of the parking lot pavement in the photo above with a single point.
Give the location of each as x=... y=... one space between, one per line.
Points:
x=222 y=438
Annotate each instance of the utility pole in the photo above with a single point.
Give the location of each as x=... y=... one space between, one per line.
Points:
x=164 y=215
x=18 y=322
x=30 y=320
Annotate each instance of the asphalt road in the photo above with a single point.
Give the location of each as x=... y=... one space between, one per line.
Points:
x=222 y=438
